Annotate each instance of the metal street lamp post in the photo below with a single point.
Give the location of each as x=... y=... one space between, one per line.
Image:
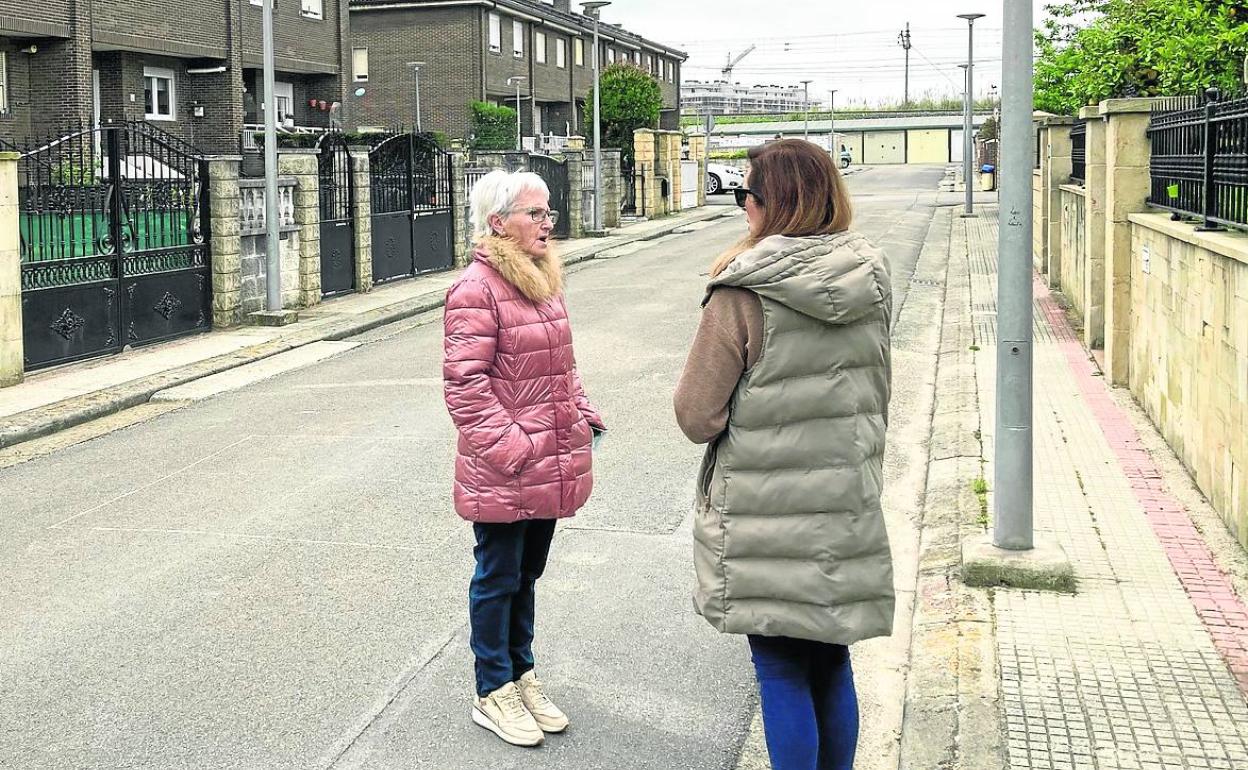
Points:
x=806 y=108
x=416 y=65
x=517 y=80
x=272 y=256
x=968 y=101
x=593 y=9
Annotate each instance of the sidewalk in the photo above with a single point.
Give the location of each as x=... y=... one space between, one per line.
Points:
x=1146 y=666
x=60 y=398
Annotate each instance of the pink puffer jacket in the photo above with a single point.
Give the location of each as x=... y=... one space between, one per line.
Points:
x=513 y=391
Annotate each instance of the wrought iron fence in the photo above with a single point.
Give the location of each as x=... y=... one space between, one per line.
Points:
x=1199 y=159
x=1079 y=151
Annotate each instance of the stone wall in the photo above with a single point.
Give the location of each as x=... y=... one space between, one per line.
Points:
x=253 y=268
x=302 y=167
x=1189 y=352
x=1073 y=246
x=1169 y=304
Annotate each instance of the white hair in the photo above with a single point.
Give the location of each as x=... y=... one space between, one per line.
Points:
x=496 y=193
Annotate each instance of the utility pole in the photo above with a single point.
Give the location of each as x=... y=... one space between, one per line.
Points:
x=903 y=40
x=806 y=108
x=517 y=80
x=272 y=243
x=1012 y=457
x=593 y=9
x=836 y=150
x=968 y=103
x=416 y=65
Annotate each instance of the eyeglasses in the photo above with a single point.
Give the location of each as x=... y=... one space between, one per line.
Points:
x=741 y=193
x=537 y=215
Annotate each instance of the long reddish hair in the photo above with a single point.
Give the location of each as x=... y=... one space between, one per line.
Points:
x=803 y=194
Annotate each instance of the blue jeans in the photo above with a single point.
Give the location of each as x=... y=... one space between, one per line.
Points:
x=510 y=559
x=810 y=709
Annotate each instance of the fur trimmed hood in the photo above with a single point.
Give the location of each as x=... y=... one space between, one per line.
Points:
x=538 y=279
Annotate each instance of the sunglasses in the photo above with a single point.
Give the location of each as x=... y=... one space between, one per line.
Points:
x=741 y=193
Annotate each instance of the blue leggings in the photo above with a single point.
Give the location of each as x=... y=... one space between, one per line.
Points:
x=810 y=709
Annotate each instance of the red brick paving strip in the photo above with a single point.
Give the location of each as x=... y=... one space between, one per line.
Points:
x=1224 y=614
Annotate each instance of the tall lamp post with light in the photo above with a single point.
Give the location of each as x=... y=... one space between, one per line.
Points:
x=516 y=80
x=968 y=102
x=593 y=9
x=416 y=65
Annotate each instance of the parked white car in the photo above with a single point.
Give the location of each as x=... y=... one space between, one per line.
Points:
x=721 y=178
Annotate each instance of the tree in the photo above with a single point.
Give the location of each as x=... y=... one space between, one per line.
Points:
x=631 y=99
x=988 y=130
x=493 y=127
x=1089 y=50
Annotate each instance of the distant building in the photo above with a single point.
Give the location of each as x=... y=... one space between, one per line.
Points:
x=719 y=97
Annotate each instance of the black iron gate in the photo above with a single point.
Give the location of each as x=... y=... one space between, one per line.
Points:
x=413 y=224
x=337 y=200
x=555 y=173
x=113 y=242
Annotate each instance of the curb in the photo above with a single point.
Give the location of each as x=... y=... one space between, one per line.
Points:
x=62 y=415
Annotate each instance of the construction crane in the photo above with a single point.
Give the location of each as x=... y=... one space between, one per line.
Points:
x=727 y=70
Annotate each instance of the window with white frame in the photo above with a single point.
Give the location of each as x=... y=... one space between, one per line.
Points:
x=539 y=47
x=517 y=38
x=637 y=58
x=649 y=64
x=4 y=82
x=284 y=95
x=312 y=9
x=578 y=51
x=611 y=56
x=561 y=53
x=496 y=33
x=158 y=94
x=671 y=73
x=359 y=64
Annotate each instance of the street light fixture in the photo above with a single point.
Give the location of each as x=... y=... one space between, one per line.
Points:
x=593 y=9
x=517 y=80
x=806 y=107
x=968 y=100
x=416 y=65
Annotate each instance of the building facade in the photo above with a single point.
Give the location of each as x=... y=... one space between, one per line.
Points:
x=192 y=70
x=719 y=97
x=472 y=50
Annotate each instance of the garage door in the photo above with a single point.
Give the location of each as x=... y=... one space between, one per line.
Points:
x=884 y=147
x=927 y=146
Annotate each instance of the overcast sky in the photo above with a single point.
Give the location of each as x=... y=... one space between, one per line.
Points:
x=849 y=46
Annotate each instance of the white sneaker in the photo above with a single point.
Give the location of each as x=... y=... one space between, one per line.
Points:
x=502 y=712
x=545 y=713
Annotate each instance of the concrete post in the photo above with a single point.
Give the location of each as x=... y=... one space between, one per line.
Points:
x=612 y=182
x=697 y=151
x=363 y=216
x=1056 y=172
x=224 y=201
x=12 y=357
x=644 y=159
x=575 y=161
x=1094 y=184
x=461 y=210
x=1127 y=155
x=302 y=167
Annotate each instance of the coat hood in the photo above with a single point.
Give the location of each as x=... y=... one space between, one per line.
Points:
x=837 y=279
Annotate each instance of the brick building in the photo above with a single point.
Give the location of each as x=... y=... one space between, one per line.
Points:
x=471 y=48
x=192 y=68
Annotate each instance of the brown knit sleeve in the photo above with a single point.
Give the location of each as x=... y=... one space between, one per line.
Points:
x=727 y=343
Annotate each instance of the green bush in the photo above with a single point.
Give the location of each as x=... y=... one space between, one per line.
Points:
x=631 y=99
x=493 y=127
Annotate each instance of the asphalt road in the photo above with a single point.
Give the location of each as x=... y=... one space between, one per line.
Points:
x=274 y=577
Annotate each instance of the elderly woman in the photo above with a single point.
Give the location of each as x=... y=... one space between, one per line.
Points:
x=525 y=435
